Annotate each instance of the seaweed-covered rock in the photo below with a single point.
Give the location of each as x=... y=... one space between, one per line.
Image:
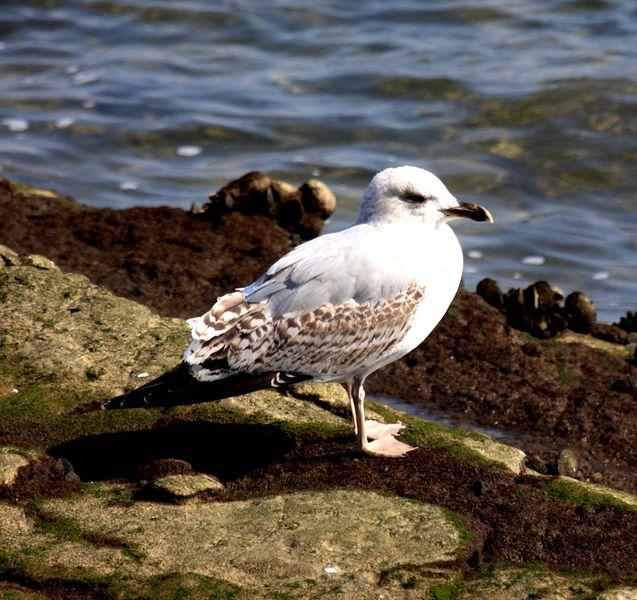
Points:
x=174 y=261
x=472 y=368
x=610 y=333
x=302 y=210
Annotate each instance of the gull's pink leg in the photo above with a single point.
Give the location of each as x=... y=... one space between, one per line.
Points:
x=387 y=445
x=348 y=388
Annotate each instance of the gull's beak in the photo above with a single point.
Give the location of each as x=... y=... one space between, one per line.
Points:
x=468 y=210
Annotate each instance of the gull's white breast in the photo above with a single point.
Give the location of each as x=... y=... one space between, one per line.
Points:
x=433 y=257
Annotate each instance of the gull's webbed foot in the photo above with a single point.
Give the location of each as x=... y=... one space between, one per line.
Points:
x=387 y=446
x=375 y=430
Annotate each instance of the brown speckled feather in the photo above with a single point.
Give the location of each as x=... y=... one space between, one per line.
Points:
x=238 y=336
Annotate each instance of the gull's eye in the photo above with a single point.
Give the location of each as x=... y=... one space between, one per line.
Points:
x=414 y=198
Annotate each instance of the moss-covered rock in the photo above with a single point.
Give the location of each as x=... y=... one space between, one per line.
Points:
x=65 y=327
x=305 y=544
x=66 y=344
x=531 y=581
x=183 y=486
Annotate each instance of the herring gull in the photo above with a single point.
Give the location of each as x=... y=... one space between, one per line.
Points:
x=334 y=309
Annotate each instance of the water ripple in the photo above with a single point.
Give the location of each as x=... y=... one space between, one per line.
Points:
x=530 y=108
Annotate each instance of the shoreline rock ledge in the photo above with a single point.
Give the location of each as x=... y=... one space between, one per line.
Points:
x=272 y=499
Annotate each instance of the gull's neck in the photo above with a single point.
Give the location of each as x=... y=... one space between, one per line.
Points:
x=407 y=227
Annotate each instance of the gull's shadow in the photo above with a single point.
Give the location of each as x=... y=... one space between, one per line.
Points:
x=225 y=450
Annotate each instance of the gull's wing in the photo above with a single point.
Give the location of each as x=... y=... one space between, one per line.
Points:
x=328 y=305
x=332 y=269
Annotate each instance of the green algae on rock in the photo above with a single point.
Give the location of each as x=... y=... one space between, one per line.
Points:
x=66 y=326
x=273 y=544
x=501 y=582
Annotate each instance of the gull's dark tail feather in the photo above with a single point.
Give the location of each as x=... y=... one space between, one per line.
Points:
x=179 y=387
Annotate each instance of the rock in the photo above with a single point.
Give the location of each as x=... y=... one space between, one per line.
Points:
x=265 y=545
x=74 y=327
x=309 y=226
x=301 y=210
x=289 y=209
x=282 y=458
x=10 y=258
x=186 y=486
x=601 y=494
x=10 y=465
x=40 y=262
x=145 y=253
x=555 y=323
x=580 y=312
x=283 y=191
x=544 y=297
x=515 y=582
x=491 y=292
x=63 y=469
x=290 y=212
x=318 y=198
x=508 y=457
x=568 y=464
x=622 y=593
x=629 y=322
x=610 y=333
x=541 y=310
x=247 y=194
x=536 y=462
x=536 y=309
x=15 y=524
x=196 y=209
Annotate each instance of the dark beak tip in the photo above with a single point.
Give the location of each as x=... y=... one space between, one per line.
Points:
x=474 y=212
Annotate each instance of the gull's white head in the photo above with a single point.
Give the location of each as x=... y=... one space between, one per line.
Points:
x=411 y=193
